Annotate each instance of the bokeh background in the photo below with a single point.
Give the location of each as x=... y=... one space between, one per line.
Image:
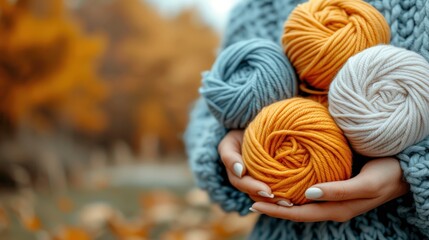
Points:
x=95 y=97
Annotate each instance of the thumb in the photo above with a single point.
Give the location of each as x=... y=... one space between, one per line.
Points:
x=230 y=152
x=369 y=183
x=354 y=188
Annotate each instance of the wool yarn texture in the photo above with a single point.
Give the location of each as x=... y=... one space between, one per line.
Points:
x=320 y=98
x=246 y=77
x=257 y=19
x=415 y=162
x=293 y=144
x=380 y=99
x=320 y=35
x=403 y=218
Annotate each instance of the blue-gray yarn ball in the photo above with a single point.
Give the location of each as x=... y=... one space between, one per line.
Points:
x=246 y=77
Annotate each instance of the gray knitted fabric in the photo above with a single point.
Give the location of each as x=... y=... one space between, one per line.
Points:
x=403 y=218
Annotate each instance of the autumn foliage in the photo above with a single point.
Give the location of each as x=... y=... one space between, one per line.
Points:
x=85 y=87
x=114 y=69
x=153 y=64
x=48 y=74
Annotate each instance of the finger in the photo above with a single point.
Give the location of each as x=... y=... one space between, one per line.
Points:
x=276 y=200
x=316 y=212
x=230 y=152
x=373 y=181
x=353 y=188
x=250 y=185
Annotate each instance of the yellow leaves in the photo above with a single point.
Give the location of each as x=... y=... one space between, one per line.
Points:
x=72 y=233
x=50 y=75
x=152 y=118
x=154 y=64
x=32 y=223
x=129 y=229
x=48 y=71
x=26 y=214
x=65 y=204
x=4 y=219
x=156 y=213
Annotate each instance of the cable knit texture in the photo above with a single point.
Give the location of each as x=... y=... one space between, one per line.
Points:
x=202 y=137
x=415 y=163
x=258 y=19
x=398 y=219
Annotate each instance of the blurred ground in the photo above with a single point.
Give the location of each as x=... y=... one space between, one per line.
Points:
x=126 y=202
x=95 y=98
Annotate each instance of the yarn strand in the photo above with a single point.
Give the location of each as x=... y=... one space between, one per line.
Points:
x=380 y=99
x=247 y=76
x=293 y=144
x=319 y=37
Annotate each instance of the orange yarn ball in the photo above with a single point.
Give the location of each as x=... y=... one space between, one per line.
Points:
x=294 y=144
x=320 y=35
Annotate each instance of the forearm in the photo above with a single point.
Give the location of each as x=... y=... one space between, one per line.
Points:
x=202 y=137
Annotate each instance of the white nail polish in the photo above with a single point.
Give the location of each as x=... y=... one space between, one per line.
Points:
x=313 y=193
x=285 y=203
x=254 y=210
x=238 y=169
x=265 y=194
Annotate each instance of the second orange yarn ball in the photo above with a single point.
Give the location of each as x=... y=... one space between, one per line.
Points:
x=321 y=35
x=294 y=144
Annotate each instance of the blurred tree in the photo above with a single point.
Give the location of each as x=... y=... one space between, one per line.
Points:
x=48 y=68
x=153 y=65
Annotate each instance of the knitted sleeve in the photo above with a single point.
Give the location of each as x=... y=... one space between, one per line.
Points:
x=248 y=19
x=264 y=19
x=202 y=137
x=415 y=165
x=409 y=26
x=257 y=19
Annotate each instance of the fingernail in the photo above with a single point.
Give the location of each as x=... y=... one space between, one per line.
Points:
x=285 y=203
x=313 y=193
x=254 y=210
x=238 y=169
x=265 y=194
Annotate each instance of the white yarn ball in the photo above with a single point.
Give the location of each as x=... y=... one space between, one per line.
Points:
x=380 y=99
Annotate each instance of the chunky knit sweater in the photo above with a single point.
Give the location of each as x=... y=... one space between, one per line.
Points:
x=404 y=218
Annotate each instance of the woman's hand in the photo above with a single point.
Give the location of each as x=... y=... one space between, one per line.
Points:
x=379 y=181
x=230 y=153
